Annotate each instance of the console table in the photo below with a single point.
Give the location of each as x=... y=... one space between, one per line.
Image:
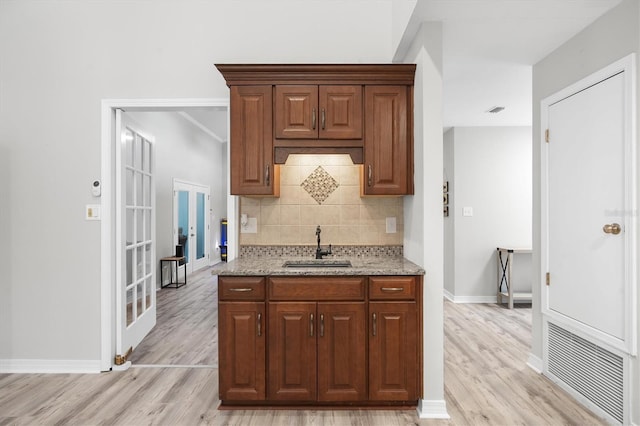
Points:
x=505 y=263
x=174 y=262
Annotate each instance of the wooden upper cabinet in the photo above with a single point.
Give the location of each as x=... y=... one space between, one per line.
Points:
x=363 y=110
x=318 y=112
x=388 y=161
x=252 y=167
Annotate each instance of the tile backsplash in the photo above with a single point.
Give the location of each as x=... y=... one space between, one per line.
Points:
x=322 y=190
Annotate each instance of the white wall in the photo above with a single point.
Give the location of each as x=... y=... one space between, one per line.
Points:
x=183 y=152
x=59 y=60
x=613 y=36
x=449 y=221
x=490 y=172
x=423 y=240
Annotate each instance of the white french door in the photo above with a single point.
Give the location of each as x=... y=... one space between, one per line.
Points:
x=191 y=222
x=135 y=235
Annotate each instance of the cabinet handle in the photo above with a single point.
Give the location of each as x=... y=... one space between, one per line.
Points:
x=259 y=325
x=370 y=175
x=321 y=325
x=311 y=325
x=241 y=289
x=267 y=175
x=375 y=324
x=323 y=119
x=392 y=288
x=313 y=118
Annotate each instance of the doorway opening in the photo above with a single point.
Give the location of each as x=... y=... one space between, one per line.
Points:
x=160 y=118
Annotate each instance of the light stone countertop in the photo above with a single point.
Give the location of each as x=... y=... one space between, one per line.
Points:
x=262 y=265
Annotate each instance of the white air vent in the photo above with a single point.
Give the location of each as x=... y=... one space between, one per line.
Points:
x=590 y=370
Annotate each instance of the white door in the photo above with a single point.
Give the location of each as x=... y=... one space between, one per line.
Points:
x=589 y=197
x=191 y=223
x=135 y=235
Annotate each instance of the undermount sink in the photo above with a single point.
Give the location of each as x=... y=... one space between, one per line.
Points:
x=317 y=263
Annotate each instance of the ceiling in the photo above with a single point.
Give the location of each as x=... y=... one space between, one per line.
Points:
x=489 y=47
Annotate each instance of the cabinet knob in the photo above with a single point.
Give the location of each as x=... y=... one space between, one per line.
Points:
x=311 y=325
x=321 y=325
x=267 y=175
x=370 y=175
x=323 y=119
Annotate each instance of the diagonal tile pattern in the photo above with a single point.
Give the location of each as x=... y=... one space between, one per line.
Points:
x=319 y=184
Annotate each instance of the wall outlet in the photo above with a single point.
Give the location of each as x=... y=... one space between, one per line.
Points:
x=391 y=225
x=467 y=211
x=251 y=227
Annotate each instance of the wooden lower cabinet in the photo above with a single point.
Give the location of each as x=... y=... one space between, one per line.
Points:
x=393 y=350
x=320 y=340
x=292 y=351
x=317 y=351
x=342 y=354
x=241 y=337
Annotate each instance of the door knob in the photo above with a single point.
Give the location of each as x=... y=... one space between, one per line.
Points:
x=612 y=228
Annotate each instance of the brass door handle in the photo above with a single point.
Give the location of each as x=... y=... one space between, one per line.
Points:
x=613 y=228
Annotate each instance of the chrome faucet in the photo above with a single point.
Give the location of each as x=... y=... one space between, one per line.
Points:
x=319 y=251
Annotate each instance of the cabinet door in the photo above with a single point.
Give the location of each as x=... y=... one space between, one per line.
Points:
x=342 y=352
x=340 y=112
x=386 y=143
x=252 y=170
x=296 y=112
x=292 y=351
x=241 y=334
x=393 y=340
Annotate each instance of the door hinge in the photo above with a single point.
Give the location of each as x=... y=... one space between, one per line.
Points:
x=121 y=359
x=548 y=278
x=546 y=136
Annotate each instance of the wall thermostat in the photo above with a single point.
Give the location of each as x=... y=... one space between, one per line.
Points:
x=96 y=188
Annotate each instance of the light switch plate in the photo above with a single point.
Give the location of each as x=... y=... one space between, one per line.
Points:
x=391 y=225
x=467 y=211
x=92 y=212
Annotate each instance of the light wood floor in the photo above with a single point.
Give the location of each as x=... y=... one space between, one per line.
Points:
x=486 y=379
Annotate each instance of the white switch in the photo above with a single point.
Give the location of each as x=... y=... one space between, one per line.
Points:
x=92 y=212
x=467 y=211
x=391 y=225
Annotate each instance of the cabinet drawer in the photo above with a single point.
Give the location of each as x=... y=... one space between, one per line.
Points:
x=317 y=288
x=241 y=288
x=392 y=288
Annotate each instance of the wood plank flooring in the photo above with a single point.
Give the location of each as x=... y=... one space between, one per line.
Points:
x=486 y=379
x=186 y=332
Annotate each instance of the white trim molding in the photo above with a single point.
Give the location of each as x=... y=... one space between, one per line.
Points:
x=49 y=366
x=469 y=299
x=535 y=363
x=107 y=286
x=432 y=409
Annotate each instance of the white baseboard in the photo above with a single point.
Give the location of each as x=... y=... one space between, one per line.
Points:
x=432 y=409
x=469 y=299
x=535 y=363
x=53 y=366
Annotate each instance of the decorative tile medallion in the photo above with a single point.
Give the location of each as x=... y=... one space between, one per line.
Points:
x=319 y=185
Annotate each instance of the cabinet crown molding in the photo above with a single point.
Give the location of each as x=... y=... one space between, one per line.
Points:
x=255 y=74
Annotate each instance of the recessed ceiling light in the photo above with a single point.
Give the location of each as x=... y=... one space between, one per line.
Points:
x=496 y=109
